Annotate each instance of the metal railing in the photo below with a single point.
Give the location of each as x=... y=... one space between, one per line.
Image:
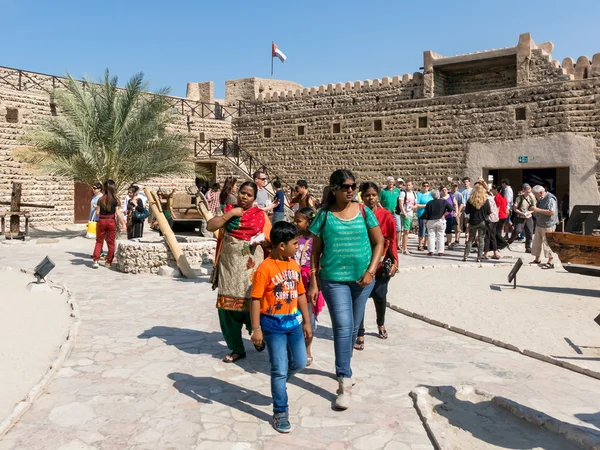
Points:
x=242 y=159
x=22 y=80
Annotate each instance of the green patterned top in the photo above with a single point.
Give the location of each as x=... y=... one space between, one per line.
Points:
x=346 y=245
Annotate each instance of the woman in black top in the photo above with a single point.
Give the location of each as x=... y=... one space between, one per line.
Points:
x=108 y=213
x=478 y=211
x=135 y=227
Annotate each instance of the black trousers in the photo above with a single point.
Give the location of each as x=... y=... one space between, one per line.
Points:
x=523 y=225
x=490 y=237
x=380 y=307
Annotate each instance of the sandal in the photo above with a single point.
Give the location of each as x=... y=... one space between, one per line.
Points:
x=233 y=357
x=360 y=343
x=478 y=259
x=548 y=266
x=495 y=257
x=535 y=262
x=383 y=333
x=309 y=361
x=464 y=259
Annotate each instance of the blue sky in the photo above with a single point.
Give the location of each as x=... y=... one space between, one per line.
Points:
x=326 y=42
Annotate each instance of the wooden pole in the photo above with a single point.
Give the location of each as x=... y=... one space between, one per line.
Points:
x=180 y=258
x=15 y=206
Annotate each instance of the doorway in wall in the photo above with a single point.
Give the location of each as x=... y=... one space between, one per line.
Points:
x=82 y=198
x=554 y=179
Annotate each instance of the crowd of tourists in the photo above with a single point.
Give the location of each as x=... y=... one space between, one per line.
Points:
x=274 y=272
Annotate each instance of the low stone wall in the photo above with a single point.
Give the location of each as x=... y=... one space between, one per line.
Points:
x=148 y=255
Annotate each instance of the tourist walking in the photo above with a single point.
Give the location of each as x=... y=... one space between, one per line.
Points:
x=228 y=194
x=347 y=247
x=477 y=210
x=407 y=203
x=423 y=197
x=523 y=217
x=136 y=214
x=388 y=198
x=239 y=252
x=303 y=198
x=213 y=199
x=97 y=190
x=278 y=298
x=546 y=218
x=278 y=211
x=450 y=218
x=388 y=266
x=302 y=219
x=262 y=196
x=493 y=222
x=434 y=217
x=459 y=216
x=502 y=204
x=108 y=214
x=465 y=191
x=509 y=195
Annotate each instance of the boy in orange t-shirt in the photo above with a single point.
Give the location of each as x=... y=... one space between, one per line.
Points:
x=278 y=299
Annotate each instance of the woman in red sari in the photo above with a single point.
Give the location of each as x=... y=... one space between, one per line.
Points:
x=389 y=265
x=239 y=252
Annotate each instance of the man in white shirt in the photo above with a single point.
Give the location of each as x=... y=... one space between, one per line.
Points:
x=407 y=203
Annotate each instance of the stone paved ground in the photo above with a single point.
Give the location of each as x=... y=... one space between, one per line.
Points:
x=146 y=373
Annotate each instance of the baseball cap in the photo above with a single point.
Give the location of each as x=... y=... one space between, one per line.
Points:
x=400 y=180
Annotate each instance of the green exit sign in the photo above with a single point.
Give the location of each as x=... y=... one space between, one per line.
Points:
x=523 y=159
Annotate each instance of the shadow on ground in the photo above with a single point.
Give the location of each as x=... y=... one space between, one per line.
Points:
x=485 y=421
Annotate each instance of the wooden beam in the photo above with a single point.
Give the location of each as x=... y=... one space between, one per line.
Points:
x=27 y=205
x=575 y=248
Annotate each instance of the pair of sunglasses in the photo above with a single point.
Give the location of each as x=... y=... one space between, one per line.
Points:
x=348 y=187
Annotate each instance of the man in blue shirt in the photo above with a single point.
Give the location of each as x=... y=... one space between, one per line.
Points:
x=423 y=198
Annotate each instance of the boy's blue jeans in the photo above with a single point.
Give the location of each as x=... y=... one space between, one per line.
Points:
x=346 y=303
x=287 y=355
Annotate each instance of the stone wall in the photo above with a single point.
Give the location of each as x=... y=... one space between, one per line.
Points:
x=248 y=89
x=434 y=152
x=543 y=70
x=22 y=109
x=451 y=82
x=147 y=256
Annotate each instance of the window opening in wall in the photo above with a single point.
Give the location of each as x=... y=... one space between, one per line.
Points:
x=267 y=132
x=520 y=114
x=314 y=104
x=202 y=137
x=412 y=95
x=337 y=128
x=354 y=101
x=422 y=122
x=12 y=115
x=585 y=73
x=377 y=125
x=301 y=130
x=377 y=99
x=332 y=102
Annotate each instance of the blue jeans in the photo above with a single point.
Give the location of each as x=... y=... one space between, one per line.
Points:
x=287 y=355
x=346 y=302
x=278 y=217
x=422 y=227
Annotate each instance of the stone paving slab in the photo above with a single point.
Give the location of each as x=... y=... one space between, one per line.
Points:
x=145 y=373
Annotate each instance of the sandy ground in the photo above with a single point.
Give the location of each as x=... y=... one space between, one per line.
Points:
x=550 y=312
x=32 y=327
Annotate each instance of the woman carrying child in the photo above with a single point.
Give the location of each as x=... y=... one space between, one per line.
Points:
x=238 y=254
x=302 y=219
x=389 y=265
x=278 y=299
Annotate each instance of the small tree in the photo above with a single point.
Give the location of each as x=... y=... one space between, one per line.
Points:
x=103 y=132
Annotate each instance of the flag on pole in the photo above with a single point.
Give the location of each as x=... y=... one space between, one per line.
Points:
x=278 y=53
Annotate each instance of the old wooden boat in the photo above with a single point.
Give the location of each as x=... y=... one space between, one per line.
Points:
x=578 y=253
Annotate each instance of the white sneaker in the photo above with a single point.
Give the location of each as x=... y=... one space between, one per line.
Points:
x=95 y=265
x=344 y=393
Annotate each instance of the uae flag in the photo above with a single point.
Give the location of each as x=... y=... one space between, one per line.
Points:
x=275 y=52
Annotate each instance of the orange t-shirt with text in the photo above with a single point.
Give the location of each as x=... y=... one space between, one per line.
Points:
x=278 y=284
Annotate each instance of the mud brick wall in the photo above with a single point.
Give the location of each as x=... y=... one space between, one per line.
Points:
x=23 y=109
x=433 y=153
x=543 y=70
x=475 y=80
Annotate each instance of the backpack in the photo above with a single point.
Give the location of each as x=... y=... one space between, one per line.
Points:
x=398 y=209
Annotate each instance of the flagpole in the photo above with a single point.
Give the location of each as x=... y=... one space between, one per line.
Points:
x=272 y=42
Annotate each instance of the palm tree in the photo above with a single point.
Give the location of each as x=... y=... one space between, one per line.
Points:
x=103 y=132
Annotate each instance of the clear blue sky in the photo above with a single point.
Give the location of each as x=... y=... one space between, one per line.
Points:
x=326 y=41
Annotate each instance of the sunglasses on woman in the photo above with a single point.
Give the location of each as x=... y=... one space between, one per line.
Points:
x=348 y=187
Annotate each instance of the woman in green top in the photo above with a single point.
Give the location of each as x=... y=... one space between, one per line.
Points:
x=347 y=247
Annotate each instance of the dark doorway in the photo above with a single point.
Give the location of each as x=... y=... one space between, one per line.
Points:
x=82 y=197
x=554 y=179
x=543 y=177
